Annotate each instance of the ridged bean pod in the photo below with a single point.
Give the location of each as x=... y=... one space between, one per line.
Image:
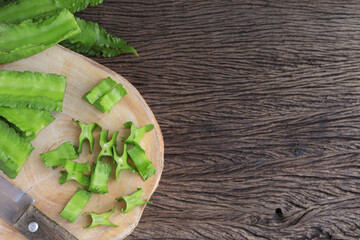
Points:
x=22 y=40
x=32 y=90
x=28 y=121
x=14 y=150
x=18 y=11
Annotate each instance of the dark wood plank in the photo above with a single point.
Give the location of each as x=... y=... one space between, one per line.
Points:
x=259 y=106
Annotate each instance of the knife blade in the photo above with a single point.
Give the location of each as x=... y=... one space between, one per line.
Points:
x=17 y=208
x=12 y=201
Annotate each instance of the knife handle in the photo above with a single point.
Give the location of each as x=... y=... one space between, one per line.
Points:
x=46 y=229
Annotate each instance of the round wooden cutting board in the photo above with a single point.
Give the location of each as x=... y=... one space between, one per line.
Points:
x=42 y=183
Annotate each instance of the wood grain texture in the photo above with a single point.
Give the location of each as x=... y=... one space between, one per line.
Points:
x=259 y=105
x=42 y=183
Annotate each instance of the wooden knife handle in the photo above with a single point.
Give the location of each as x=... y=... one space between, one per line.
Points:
x=47 y=228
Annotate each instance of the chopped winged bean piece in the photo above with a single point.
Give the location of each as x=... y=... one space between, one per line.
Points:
x=31 y=37
x=142 y=163
x=29 y=121
x=14 y=150
x=122 y=161
x=54 y=158
x=105 y=96
x=21 y=10
x=99 y=90
x=86 y=134
x=99 y=177
x=133 y=200
x=32 y=90
x=106 y=146
x=110 y=99
x=79 y=177
x=100 y=219
x=72 y=166
x=94 y=40
x=76 y=204
x=136 y=134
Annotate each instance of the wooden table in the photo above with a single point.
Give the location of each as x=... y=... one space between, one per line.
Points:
x=259 y=104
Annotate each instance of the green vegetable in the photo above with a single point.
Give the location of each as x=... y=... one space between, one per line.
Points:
x=99 y=177
x=72 y=166
x=86 y=134
x=94 y=40
x=121 y=161
x=74 y=170
x=110 y=99
x=73 y=208
x=99 y=90
x=106 y=146
x=133 y=200
x=56 y=157
x=14 y=150
x=21 y=10
x=136 y=134
x=142 y=163
x=100 y=219
x=76 y=176
x=104 y=96
x=33 y=90
x=31 y=37
x=29 y=121
x=63 y=156
x=78 y=5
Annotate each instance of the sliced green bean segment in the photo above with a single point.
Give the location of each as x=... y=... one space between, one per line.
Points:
x=56 y=157
x=94 y=40
x=99 y=90
x=142 y=163
x=29 y=121
x=133 y=200
x=31 y=37
x=72 y=166
x=122 y=162
x=79 y=177
x=136 y=134
x=100 y=177
x=100 y=219
x=86 y=134
x=76 y=204
x=110 y=99
x=107 y=146
x=14 y=150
